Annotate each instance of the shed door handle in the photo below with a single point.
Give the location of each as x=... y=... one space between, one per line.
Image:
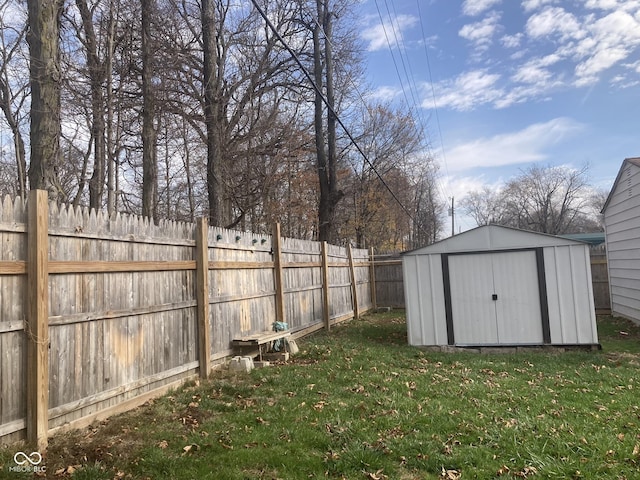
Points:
x=494 y=296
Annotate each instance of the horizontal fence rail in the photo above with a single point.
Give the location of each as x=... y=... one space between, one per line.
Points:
x=99 y=313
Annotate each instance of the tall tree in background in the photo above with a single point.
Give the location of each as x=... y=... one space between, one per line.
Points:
x=45 y=77
x=149 y=134
x=212 y=80
x=326 y=150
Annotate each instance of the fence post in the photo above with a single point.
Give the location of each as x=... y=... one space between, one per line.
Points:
x=354 y=286
x=325 y=287
x=37 y=326
x=276 y=243
x=202 y=296
x=372 y=278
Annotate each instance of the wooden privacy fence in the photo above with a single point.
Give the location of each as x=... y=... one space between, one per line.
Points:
x=99 y=314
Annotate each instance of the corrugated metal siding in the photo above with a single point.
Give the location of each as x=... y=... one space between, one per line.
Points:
x=570 y=295
x=425 y=293
x=622 y=225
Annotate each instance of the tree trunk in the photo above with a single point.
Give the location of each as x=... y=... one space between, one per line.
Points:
x=18 y=141
x=326 y=159
x=96 y=73
x=45 y=77
x=211 y=99
x=324 y=214
x=149 y=163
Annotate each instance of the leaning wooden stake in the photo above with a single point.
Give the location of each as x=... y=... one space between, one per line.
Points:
x=37 y=326
x=202 y=296
x=354 y=285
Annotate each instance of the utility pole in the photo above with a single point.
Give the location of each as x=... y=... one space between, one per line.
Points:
x=452 y=215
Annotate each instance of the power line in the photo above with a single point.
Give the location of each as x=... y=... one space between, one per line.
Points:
x=330 y=108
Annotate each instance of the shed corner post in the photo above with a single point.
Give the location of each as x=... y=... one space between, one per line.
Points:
x=276 y=240
x=202 y=297
x=37 y=326
x=325 y=287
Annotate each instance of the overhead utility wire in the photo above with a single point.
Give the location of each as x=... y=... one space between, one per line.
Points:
x=328 y=105
x=412 y=86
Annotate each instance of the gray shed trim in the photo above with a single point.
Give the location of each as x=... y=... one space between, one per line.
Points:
x=622 y=226
x=441 y=302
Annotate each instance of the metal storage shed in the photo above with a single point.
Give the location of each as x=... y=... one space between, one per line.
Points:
x=621 y=214
x=500 y=286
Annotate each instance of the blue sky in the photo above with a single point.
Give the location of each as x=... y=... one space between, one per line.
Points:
x=511 y=82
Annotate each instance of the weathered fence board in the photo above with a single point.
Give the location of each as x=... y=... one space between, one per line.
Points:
x=126 y=300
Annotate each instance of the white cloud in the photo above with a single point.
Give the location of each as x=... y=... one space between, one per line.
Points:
x=611 y=40
x=482 y=32
x=529 y=5
x=385 y=93
x=524 y=146
x=476 y=7
x=376 y=36
x=554 y=21
x=467 y=91
x=512 y=41
x=536 y=70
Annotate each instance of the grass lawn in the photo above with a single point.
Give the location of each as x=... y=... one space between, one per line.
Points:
x=359 y=403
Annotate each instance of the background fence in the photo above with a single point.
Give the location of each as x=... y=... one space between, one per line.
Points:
x=99 y=313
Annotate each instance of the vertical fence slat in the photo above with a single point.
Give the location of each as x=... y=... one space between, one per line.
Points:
x=372 y=279
x=37 y=319
x=325 y=287
x=277 y=272
x=202 y=296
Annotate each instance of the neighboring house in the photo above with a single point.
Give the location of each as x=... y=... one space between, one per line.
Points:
x=500 y=286
x=621 y=214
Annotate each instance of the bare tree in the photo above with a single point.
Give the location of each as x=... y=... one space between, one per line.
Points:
x=485 y=206
x=548 y=199
x=13 y=93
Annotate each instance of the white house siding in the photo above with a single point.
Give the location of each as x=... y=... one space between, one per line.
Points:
x=622 y=227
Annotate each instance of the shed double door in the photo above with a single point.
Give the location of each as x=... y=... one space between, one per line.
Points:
x=495 y=298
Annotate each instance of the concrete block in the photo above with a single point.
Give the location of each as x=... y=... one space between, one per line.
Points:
x=261 y=364
x=241 y=364
x=292 y=347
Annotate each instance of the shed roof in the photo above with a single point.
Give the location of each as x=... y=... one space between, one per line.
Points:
x=493 y=237
x=633 y=161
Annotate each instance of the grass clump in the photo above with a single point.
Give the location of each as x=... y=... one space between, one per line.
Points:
x=358 y=402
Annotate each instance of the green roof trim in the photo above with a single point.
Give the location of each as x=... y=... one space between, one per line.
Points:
x=594 y=238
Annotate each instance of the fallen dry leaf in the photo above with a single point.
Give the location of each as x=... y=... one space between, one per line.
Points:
x=376 y=476
x=163 y=444
x=503 y=470
x=194 y=447
x=450 y=474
